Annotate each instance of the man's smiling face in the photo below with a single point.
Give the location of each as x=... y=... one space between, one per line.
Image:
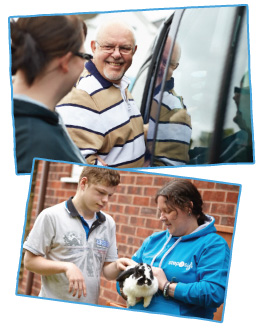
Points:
x=113 y=66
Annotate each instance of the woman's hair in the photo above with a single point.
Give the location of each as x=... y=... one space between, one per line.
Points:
x=100 y=175
x=185 y=196
x=35 y=41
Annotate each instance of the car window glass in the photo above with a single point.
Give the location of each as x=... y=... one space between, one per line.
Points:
x=139 y=86
x=180 y=128
x=237 y=130
x=171 y=143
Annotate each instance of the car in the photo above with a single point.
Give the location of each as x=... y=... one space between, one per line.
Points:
x=194 y=89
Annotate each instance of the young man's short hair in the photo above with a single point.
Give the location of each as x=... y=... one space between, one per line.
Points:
x=100 y=175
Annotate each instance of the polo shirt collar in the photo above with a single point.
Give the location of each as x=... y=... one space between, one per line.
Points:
x=170 y=84
x=74 y=213
x=90 y=66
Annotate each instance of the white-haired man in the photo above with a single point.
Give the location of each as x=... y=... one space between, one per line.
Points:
x=100 y=113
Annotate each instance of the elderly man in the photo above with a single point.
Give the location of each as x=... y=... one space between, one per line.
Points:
x=99 y=112
x=174 y=122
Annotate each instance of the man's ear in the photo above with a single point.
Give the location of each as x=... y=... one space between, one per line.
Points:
x=93 y=46
x=64 y=62
x=83 y=182
x=135 y=49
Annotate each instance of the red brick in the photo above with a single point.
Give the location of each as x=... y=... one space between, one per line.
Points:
x=217 y=219
x=160 y=181
x=151 y=191
x=125 y=199
x=206 y=207
x=148 y=211
x=134 y=190
x=121 y=218
x=127 y=179
x=122 y=251
x=132 y=210
x=224 y=186
x=116 y=208
x=138 y=222
x=154 y=224
x=232 y=197
x=121 y=239
x=143 y=232
x=204 y=184
x=217 y=196
x=144 y=180
x=134 y=241
x=228 y=221
x=127 y=230
x=144 y=201
x=223 y=209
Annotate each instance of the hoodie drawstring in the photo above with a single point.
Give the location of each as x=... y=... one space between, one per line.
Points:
x=167 y=252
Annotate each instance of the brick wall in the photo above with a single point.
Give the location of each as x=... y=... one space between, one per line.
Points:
x=134 y=211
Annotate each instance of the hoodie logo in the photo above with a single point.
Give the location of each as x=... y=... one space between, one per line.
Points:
x=181 y=264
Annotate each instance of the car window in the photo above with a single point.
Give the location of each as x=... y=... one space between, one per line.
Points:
x=187 y=91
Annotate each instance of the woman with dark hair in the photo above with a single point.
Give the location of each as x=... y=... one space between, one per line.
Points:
x=47 y=59
x=189 y=259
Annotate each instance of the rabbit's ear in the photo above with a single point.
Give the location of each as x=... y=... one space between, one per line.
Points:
x=126 y=273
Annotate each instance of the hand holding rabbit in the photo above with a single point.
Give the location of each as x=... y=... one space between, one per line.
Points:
x=136 y=282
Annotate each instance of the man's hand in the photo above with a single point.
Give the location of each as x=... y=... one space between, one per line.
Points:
x=40 y=265
x=122 y=263
x=112 y=269
x=76 y=280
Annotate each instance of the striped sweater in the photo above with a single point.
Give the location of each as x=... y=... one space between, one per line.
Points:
x=103 y=120
x=173 y=131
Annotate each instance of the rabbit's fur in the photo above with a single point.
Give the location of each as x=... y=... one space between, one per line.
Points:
x=138 y=281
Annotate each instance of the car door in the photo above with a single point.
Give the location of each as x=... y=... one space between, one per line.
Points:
x=194 y=89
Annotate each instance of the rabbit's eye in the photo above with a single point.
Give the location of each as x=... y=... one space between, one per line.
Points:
x=140 y=271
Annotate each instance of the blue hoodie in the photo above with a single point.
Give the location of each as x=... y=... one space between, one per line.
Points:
x=198 y=262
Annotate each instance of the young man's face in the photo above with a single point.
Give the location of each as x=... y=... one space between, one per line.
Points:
x=113 y=66
x=94 y=197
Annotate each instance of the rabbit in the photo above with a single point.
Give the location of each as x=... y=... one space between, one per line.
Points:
x=138 y=281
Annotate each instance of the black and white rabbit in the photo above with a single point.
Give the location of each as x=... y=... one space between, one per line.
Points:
x=138 y=281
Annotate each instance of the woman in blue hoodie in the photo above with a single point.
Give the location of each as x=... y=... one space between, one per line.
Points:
x=189 y=259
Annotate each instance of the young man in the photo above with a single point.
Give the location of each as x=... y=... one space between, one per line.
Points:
x=72 y=242
x=100 y=113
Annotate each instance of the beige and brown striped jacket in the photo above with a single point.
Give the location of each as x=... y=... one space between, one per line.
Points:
x=103 y=120
x=174 y=128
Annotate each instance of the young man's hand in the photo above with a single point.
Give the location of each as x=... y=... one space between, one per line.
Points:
x=122 y=263
x=112 y=269
x=76 y=280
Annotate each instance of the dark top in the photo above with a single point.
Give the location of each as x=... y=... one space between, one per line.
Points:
x=39 y=134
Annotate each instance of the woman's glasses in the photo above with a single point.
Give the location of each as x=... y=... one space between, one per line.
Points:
x=85 y=56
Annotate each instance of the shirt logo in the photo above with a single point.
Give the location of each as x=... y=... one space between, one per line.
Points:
x=181 y=264
x=102 y=244
x=72 y=239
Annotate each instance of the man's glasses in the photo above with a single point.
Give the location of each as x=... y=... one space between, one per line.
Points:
x=85 y=56
x=110 y=49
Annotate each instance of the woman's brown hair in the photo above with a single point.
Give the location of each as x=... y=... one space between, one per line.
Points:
x=184 y=195
x=35 y=41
